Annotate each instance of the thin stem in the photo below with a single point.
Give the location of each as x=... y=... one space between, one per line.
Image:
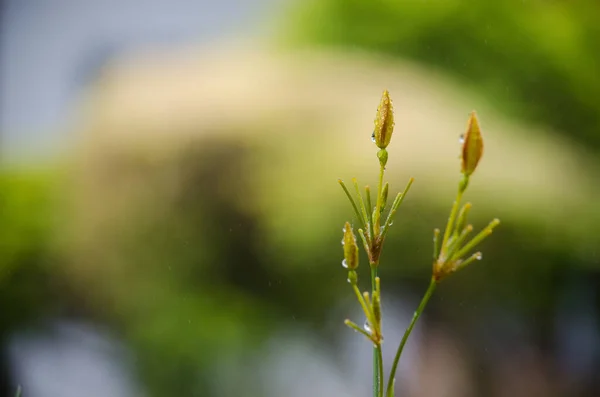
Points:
x=369 y=205
x=377 y=356
x=373 y=277
x=478 y=238
x=395 y=205
x=451 y=221
x=436 y=243
x=365 y=240
x=475 y=257
x=362 y=206
x=401 y=199
x=376 y=227
x=380 y=187
x=363 y=303
x=407 y=333
x=379 y=359
x=456 y=243
x=356 y=211
x=358 y=329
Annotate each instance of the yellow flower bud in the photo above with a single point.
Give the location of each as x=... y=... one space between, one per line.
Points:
x=384 y=122
x=472 y=149
x=350 y=248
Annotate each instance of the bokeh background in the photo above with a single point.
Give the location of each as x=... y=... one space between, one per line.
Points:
x=170 y=220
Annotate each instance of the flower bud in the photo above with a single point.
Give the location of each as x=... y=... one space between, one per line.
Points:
x=384 y=121
x=472 y=149
x=350 y=248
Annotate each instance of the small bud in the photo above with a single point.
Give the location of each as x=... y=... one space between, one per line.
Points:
x=352 y=277
x=382 y=155
x=377 y=309
x=472 y=149
x=350 y=248
x=377 y=303
x=384 y=121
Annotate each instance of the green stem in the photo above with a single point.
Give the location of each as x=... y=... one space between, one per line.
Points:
x=363 y=304
x=356 y=328
x=478 y=238
x=377 y=356
x=380 y=187
x=362 y=207
x=407 y=333
x=356 y=211
x=451 y=221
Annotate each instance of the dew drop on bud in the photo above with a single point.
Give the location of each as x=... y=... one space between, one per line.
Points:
x=373 y=137
x=478 y=256
x=345 y=264
x=367 y=327
x=343 y=242
x=461 y=139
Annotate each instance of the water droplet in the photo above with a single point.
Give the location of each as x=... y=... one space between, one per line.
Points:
x=345 y=264
x=478 y=256
x=373 y=137
x=343 y=230
x=343 y=242
x=367 y=327
x=461 y=139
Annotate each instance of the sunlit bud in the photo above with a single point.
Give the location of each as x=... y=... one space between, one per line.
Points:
x=384 y=121
x=472 y=149
x=350 y=248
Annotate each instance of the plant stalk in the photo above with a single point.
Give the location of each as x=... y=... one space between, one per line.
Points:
x=379 y=358
x=407 y=333
x=451 y=221
x=377 y=355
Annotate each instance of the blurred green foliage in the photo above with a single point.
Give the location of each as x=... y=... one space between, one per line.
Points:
x=198 y=258
x=27 y=221
x=26 y=211
x=538 y=60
